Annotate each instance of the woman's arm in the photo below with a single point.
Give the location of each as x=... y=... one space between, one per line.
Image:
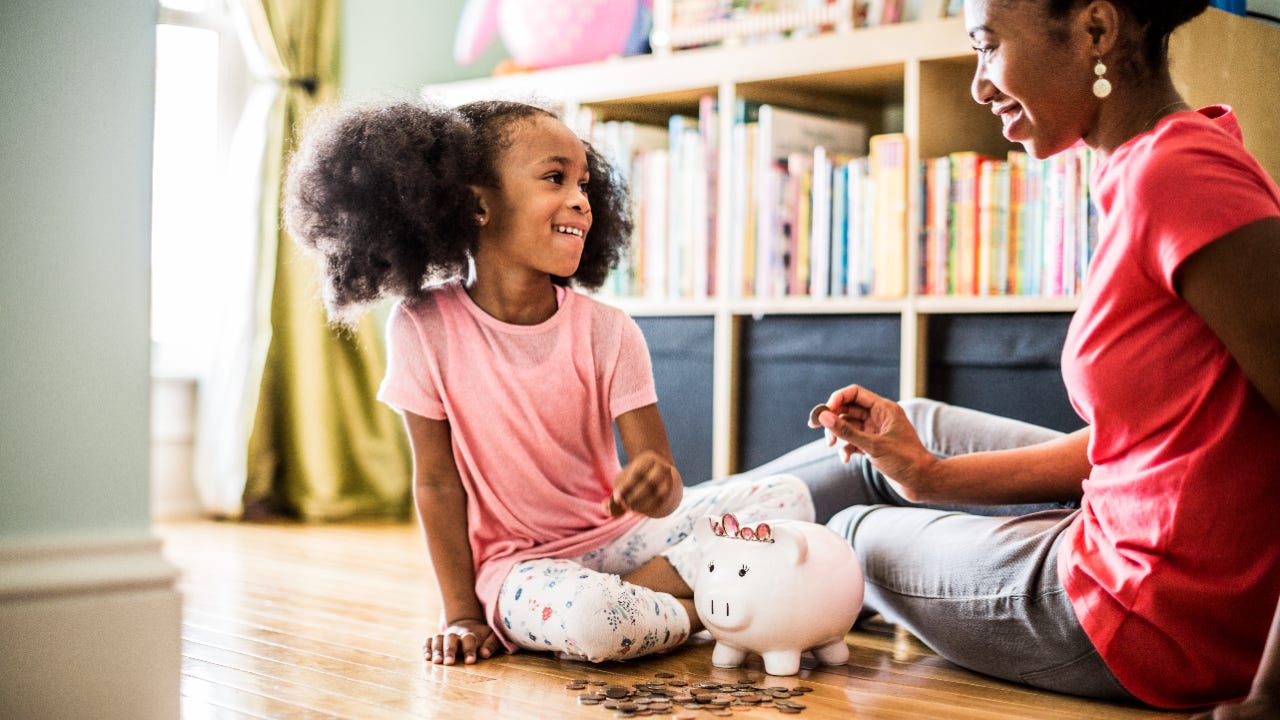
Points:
x=441 y=503
x=1051 y=471
x=650 y=483
x=1233 y=283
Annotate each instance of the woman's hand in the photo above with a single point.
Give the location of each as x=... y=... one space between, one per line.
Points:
x=1250 y=708
x=1263 y=700
x=878 y=428
x=469 y=637
x=649 y=485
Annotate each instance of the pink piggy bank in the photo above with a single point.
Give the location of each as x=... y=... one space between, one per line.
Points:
x=776 y=589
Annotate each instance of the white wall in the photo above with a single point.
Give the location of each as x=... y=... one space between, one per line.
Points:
x=392 y=48
x=88 y=613
x=75 y=186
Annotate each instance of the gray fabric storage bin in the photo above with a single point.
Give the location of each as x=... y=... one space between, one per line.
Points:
x=681 y=350
x=792 y=362
x=1004 y=364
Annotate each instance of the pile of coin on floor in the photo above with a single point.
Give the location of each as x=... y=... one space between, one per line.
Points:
x=686 y=700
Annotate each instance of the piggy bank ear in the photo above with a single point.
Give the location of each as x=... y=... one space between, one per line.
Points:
x=793 y=544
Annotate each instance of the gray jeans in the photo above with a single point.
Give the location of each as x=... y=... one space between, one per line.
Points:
x=978 y=584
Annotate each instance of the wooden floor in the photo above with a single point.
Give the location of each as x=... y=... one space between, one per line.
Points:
x=286 y=621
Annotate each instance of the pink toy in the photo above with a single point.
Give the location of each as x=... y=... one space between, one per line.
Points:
x=546 y=33
x=776 y=589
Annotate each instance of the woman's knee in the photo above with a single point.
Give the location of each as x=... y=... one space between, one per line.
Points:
x=845 y=523
x=923 y=415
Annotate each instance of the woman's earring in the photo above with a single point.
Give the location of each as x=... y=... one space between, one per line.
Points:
x=1101 y=86
x=482 y=219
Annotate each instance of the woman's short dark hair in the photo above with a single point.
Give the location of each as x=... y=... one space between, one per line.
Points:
x=382 y=195
x=1159 y=17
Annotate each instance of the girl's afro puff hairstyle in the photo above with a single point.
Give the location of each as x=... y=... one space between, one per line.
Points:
x=382 y=196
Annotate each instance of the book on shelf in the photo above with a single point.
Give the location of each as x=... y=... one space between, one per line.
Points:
x=925 y=9
x=888 y=167
x=695 y=23
x=860 y=220
x=671 y=173
x=638 y=154
x=796 y=221
x=709 y=129
x=935 y=237
x=820 y=249
x=787 y=147
x=742 y=190
x=816 y=208
x=651 y=240
x=685 y=204
x=1006 y=226
x=839 y=260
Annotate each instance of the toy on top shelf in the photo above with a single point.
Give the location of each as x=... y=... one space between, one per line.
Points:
x=684 y=23
x=549 y=33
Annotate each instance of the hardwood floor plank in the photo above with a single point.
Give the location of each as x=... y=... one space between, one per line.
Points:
x=326 y=622
x=204 y=700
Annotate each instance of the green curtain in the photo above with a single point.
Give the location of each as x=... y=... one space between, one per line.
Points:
x=322 y=447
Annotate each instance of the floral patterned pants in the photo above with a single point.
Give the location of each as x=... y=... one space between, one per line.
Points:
x=581 y=608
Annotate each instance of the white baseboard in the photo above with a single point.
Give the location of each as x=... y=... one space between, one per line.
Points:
x=91 y=628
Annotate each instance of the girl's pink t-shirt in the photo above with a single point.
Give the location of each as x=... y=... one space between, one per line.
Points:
x=530 y=411
x=1173 y=566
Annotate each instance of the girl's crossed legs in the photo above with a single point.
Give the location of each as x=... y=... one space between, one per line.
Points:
x=583 y=607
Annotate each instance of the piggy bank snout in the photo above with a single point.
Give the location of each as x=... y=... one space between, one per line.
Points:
x=725 y=611
x=725 y=597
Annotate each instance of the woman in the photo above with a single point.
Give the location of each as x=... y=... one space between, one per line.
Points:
x=1161 y=585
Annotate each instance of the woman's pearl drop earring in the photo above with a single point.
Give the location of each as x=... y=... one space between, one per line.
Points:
x=1101 y=86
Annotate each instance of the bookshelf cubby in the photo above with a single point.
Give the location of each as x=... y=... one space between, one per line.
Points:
x=911 y=78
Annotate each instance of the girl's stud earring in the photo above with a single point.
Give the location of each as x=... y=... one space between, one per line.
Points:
x=1101 y=86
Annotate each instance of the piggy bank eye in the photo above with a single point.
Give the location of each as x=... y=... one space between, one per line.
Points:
x=743 y=571
x=711 y=566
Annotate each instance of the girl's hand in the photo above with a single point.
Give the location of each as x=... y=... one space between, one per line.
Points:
x=468 y=637
x=649 y=485
x=878 y=428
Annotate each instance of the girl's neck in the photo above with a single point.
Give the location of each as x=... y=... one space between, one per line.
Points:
x=528 y=302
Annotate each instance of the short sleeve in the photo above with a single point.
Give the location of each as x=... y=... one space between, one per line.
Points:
x=1205 y=187
x=632 y=385
x=409 y=383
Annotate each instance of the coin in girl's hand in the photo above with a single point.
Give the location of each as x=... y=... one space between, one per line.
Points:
x=614 y=507
x=814 y=413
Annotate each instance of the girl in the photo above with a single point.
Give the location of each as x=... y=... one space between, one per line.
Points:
x=509 y=382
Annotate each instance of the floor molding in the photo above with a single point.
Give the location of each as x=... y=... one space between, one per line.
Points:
x=91 y=627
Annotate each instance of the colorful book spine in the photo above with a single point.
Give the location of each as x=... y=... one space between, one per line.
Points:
x=888 y=158
x=820 y=224
x=1012 y=226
